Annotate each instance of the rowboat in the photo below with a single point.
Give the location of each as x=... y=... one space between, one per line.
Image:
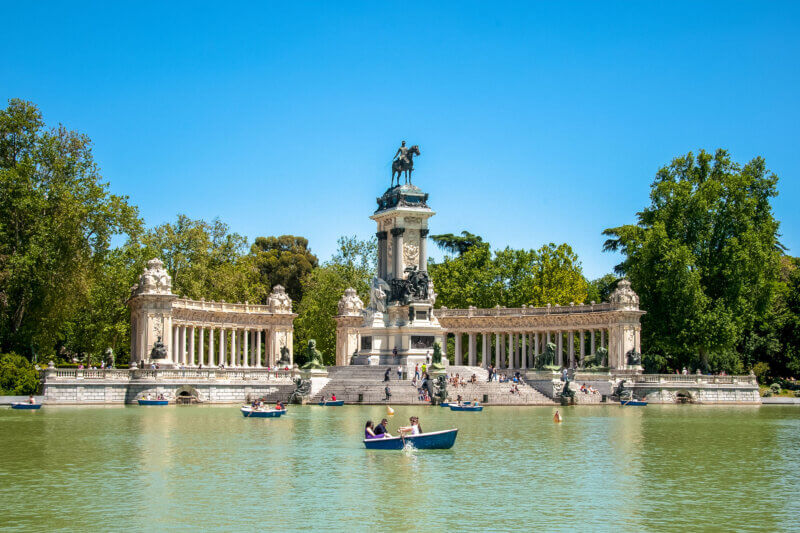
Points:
x=633 y=403
x=332 y=403
x=249 y=412
x=465 y=407
x=25 y=405
x=153 y=402
x=436 y=440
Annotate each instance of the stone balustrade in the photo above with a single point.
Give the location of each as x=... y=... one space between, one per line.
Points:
x=169 y=374
x=444 y=312
x=693 y=378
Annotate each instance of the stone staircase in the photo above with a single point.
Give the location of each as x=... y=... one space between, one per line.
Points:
x=364 y=384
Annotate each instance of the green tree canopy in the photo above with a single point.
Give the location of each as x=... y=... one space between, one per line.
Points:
x=284 y=260
x=458 y=244
x=703 y=257
x=352 y=266
x=57 y=219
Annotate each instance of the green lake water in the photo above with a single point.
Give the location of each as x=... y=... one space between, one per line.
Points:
x=208 y=468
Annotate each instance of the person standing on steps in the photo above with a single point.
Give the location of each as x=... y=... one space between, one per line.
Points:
x=386 y=375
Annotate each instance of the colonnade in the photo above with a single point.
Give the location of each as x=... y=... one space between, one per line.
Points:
x=231 y=347
x=519 y=350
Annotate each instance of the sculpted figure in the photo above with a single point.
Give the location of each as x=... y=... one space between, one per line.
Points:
x=159 y=351
x=403 y=161
x=313 y=356
x=377 y=295
x=284 y=360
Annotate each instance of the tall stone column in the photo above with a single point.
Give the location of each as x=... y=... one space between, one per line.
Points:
x=383 y=252
x=397 y=251
x=245 y=347
x=560 y=348
x=223 y=352
x=201 y=345
x=524 y=347
x=472 y=349
x=423 y=249
x=486 y=357
x=175 y=344
x=444 y=345
x=602 y=337
x=591 y=347
x=571 y=340
x=583 y=346
x=234 y=352
x=258 y=348
x=535 y=347
x=182 y=346
x=511 y=351
x=211 y=362
x=497 y=350
x=458 y=357
x=290 y=345
x=191 y=346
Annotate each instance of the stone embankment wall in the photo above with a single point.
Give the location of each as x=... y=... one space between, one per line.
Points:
x=71 y=386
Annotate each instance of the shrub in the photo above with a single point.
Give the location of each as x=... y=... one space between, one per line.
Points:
x=797 y=394
x=761 y=369
x=18 y=376
x=766 y=393
x=775 y=388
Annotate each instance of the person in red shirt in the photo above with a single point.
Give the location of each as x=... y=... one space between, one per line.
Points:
x=333 y=397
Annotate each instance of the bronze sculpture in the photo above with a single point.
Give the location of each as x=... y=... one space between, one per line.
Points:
x=403 y=161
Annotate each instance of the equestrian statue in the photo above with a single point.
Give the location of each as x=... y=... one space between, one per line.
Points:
x=403 y=161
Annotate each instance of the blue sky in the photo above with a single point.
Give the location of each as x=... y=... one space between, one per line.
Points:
x=537 y=122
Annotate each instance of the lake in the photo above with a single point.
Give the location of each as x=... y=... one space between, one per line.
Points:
x=208 y=468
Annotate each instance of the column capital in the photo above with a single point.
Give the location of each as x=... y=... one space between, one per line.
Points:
x=398 y=231
x=382 y=235
x=424 y=232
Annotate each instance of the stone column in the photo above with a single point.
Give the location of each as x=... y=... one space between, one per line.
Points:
x=444 y=345
x=290 y=345
x=497 y=350
x=486 y=357
x=560 y=348
x=571 y=340
x=458 y=359
x=175 y=343
x=535 y=347
x=423 y=249
x=211 y=347
x=602 y=337
x=583 y=346
x=201 y=346
x=245 y=348
x=397 y=251
x=182 y=346
x=591 y=348
x=383 y=252
x=223 y=352
x=234 y=352
x=473 y=357
x=511 y=348
x=258 y=348
x=524 y=348
x=190 y=358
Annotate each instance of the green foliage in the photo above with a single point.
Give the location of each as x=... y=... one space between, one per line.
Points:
x=761 y=371
x=17 y=375
x=654 y=363
x=511 y=278
x=456 y=244
x=600 y=289
x=57 y=219
x=775 y=388
x=284 y=260
x=352 y=266
x=703 y=257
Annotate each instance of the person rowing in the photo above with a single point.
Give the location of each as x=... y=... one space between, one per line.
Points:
x=413 y=429
x=557 y=417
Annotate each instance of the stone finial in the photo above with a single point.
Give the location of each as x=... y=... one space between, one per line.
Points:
x=350 y=304
x=154 y=280
x=279 y=301
x=623 y=296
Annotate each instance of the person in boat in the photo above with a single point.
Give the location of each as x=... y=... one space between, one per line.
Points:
x=458 y=401
x=380 y=429
x=474 y=402
x=333 y=397
x=279 y=406
x=31 y=400
x=369 y=432
x=557 y=417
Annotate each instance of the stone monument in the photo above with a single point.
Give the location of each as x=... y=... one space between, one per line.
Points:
x=398 y=325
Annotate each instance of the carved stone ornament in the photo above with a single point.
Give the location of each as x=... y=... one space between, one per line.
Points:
x=350 y=304
x=623 y=296
x=154 y=280
x=410 y=253
x=279 y=301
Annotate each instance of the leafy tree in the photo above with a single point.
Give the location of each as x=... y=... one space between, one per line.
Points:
x=703 y=257
x=18 y=376
x=204 y=259
x=352 y=266
x=57 y=218
x=600 y=289
x=284 y=260
x=458 y=244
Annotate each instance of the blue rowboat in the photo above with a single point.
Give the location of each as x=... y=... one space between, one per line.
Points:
x=153 y=402
x=437 y=440
x=23 y=405
x=454 y=407
x=332 y=403
x=249 y=412
x=634 y=403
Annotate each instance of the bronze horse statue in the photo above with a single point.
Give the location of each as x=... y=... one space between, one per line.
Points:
x=399 y=166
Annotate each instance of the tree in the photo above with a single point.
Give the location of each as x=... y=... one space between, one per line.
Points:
x=57 y=219
x=284 y=260
x=352 y=266
x=18 y=376
x=456 y=244
x=601 y=288
x=204 y=259
x=703 y=257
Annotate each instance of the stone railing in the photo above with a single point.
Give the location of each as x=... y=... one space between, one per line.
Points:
x=225 y=307
x=692 y=378
x=525 y=311
x=169 y=374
